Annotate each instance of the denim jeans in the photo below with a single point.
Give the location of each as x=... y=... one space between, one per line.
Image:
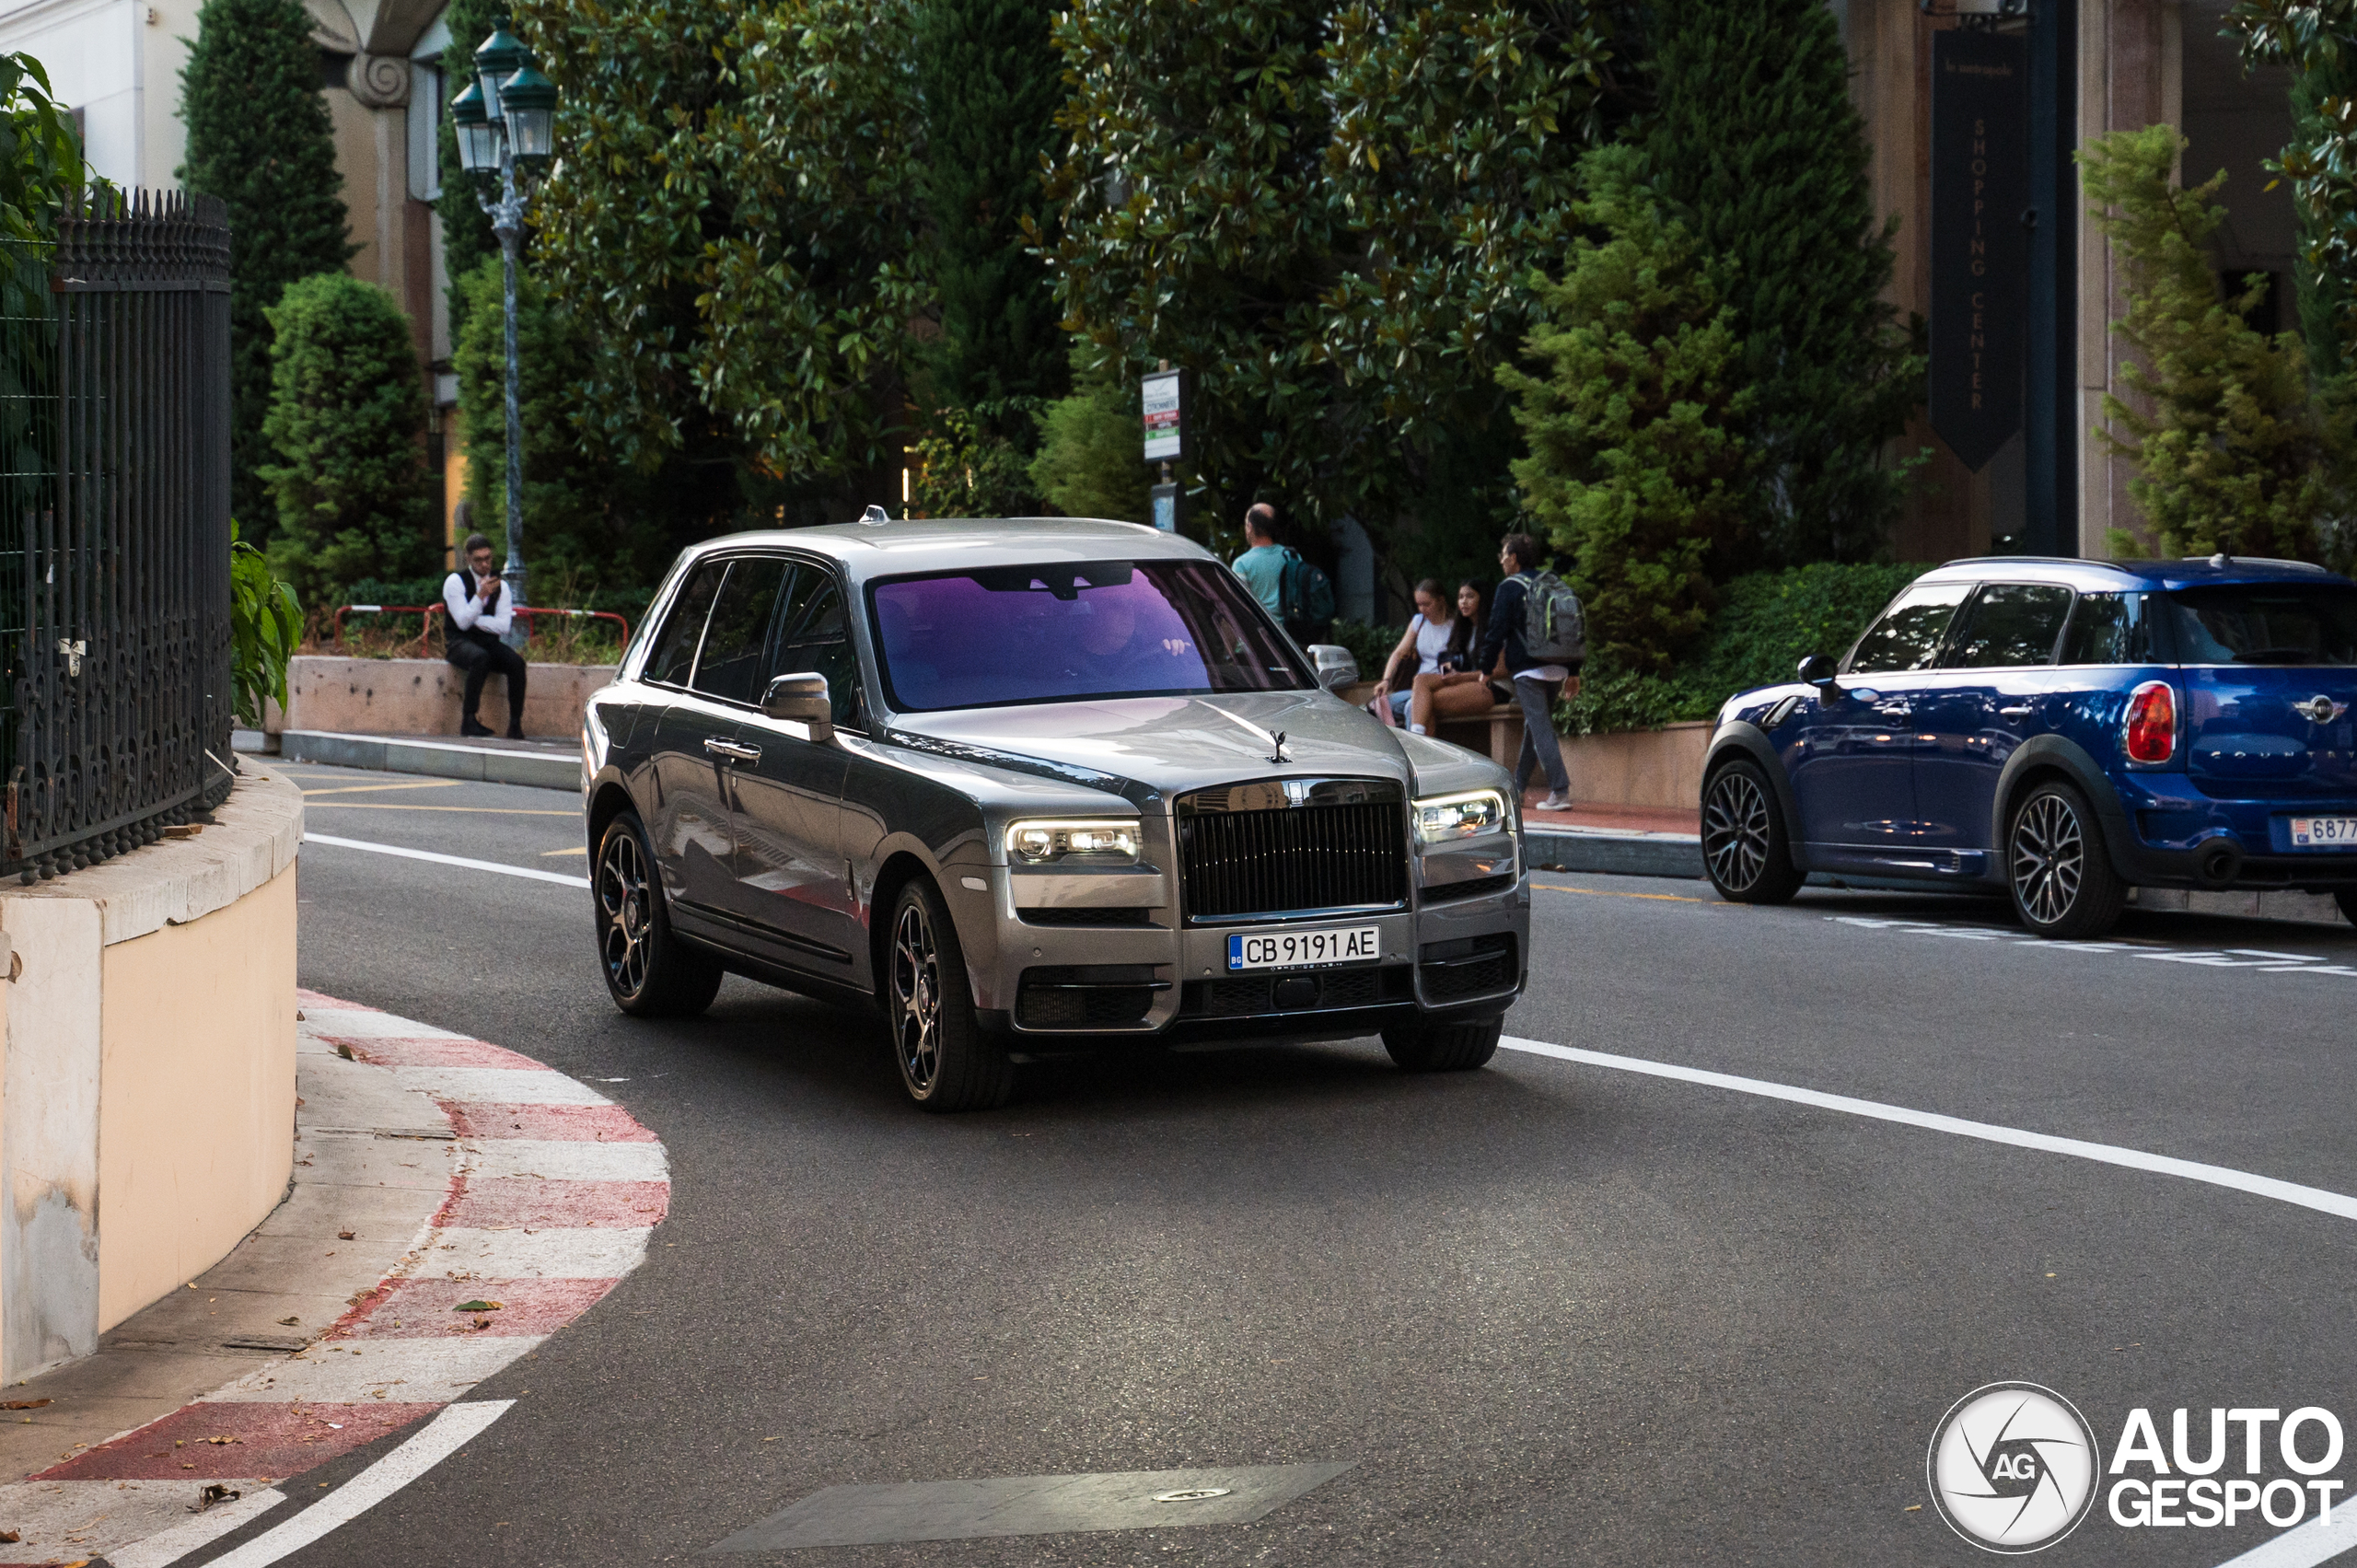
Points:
x=1540 y=748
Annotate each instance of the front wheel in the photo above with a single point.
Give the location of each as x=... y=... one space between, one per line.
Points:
x=1744 y=850
x=946 y=1062
x=649 y=971
x=1443 y=1047
x=2061 y=875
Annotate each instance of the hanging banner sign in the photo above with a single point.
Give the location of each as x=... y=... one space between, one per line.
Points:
x=1980 y=242
x=1164 y=428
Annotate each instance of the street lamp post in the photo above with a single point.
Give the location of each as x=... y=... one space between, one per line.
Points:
x=506 y=121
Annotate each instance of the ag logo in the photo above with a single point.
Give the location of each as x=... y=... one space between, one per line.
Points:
x=2013 y=1467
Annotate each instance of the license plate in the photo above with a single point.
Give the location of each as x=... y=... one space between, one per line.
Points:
x=1322 y=949
x=2312 y=832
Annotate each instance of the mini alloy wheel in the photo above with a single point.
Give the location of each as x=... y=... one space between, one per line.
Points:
x=1744 y=847
x=2061 y=878
x=648 y=970
x=947 y=1062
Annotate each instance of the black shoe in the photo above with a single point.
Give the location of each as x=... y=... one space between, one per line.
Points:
x=472 y=726
x=515 y=732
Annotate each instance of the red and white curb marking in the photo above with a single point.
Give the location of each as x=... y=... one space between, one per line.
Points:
x=555 y=1195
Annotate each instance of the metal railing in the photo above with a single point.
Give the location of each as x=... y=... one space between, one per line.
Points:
x=425 y=631
x=114 y=529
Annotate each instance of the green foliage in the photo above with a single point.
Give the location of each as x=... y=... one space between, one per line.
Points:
x=1089 y=463
x=1371 y=645
x=731 y=223
x=966 y=470
x=259 y=137
x=467 y=238
x=991 y=83
x=1327 y=212
x=2231 y=456
x=582 y=516
x=1636 y=465
x=266 y=630
x=41 y=157
x=1758 y=148
x=2317 y=39
x=347 y=418
x=1765 y=625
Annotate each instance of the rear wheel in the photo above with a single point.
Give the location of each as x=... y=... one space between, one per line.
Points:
x=2347 y=900
x=1443 y=1047
x=2061 y=875
x=649 y=971
x=946 y=1062
x=1744 y=850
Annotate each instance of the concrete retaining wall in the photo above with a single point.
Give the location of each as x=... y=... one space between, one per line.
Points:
x=147 y=1071
x=418 y=696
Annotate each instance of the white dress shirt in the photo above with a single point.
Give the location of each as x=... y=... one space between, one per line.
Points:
x=461 y=595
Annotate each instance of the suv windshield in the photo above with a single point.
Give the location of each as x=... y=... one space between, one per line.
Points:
x=1001 y=635
x=2310 y=623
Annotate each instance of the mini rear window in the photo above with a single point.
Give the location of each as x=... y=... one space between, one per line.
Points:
x=2287 y=623
x=2111 y=629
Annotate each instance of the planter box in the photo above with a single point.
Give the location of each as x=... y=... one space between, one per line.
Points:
x=416 y=696
x=1657 y=768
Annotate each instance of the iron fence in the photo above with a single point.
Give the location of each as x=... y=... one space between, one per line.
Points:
x=114 y=529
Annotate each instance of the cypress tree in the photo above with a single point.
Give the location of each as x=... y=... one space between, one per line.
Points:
x=1760 y=152
x=467 y=238
x=991 y=83
x=259 y=137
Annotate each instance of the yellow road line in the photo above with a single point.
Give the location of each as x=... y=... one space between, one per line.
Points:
x=576 y=849
x=1608 y=893
x=488 y=810
x=361 y=789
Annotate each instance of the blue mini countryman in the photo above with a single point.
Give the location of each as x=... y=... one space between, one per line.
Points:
x=2064 y=729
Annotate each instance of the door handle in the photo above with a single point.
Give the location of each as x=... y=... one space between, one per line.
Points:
x=2021 y=712
x=733 y=750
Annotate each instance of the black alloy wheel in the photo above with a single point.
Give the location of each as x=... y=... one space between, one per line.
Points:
x=1443 y=1047
x=947 y=1062
x=649 y=971
x=2061 y=878
x=2347 y=900
x=1745 y=849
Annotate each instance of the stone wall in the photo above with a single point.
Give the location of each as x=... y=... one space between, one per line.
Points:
x=417 y=696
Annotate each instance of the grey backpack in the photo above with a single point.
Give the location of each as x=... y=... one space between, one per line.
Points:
x=1554 y=627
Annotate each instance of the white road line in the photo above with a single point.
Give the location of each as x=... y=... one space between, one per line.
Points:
x=444 y=1435
x=171 y=1545
x=460 y=861
x=2316 y=1198
x=2304 y=1545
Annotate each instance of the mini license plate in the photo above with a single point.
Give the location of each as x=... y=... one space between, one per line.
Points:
x=1321 y=948
x=2315 y=832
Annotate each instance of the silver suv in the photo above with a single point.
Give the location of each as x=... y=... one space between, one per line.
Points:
x=1028 y=786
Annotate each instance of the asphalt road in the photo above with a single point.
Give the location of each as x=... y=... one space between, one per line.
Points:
x=1551 y=1312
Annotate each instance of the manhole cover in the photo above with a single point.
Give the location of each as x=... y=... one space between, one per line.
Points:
x=1191 y=1495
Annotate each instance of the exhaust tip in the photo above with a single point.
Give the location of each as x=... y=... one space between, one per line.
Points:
x=2218 y=861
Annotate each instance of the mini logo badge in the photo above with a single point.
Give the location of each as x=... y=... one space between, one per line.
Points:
x=2320 y=709
x=2013 y=1467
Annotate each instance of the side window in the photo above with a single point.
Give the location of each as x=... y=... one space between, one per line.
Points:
x=2110 y=629
x=674 y=648
x=815 y=638
x=2009 y=625
x=1907 y=636
x=734 y=645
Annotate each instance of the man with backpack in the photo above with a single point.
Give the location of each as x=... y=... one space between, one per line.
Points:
x=1299 y=594
x=1535 y=621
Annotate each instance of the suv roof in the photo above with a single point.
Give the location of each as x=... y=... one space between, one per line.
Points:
x=867 y=550
x=2097 y=575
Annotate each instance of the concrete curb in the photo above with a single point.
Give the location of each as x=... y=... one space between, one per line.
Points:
x=541 y=1195
x=435 y=759
x=1619 y=855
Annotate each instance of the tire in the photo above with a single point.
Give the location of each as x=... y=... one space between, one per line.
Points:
x=649 y=971
x=2347 y=900
x=1746 y=852
x=947 y=1062
x=1443 y=1047
x=2057 y=867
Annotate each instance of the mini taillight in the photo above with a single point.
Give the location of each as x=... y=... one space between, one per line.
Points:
x=2151 y=723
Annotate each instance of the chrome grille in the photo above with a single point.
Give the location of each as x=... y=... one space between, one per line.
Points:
x=1292 y=845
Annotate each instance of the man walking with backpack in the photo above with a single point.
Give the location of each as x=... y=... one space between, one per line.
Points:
x=1299 y=594
x=1535 y=621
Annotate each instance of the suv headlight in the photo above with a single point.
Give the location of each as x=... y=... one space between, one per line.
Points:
x=1445 y=819
x=1103 y=843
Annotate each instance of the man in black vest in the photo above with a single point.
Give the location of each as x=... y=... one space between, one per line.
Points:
x=479 y=616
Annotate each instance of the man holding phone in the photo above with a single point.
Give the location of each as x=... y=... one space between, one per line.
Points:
x=480 y=615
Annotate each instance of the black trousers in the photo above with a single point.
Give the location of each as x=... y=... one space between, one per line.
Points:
x=479 y=660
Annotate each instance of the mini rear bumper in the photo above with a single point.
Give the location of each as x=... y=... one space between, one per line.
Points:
x=2188 y=840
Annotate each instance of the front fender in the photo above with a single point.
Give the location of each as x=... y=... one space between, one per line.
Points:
x=1741 y=738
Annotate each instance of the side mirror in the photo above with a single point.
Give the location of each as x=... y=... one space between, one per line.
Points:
x=1820 y=672
x=1335 y=667
x=803 y=699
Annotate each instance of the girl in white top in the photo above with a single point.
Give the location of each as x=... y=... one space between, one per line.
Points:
x=1427 y=639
